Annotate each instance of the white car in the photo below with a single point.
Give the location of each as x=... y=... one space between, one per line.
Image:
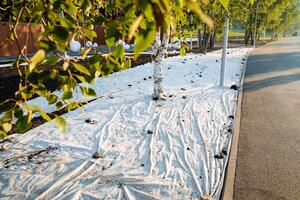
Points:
x=175 y=45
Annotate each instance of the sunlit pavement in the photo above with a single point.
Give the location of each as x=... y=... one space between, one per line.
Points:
x=268 y=164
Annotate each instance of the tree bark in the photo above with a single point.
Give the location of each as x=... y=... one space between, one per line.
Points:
x=206 y=41
x=160 y=49
x=212 y=40
x=246 y=39
x=199 y=38
x=274 y=34
x=248 y=33
x=203 y=37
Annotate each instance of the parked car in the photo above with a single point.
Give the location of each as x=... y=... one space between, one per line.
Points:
x=296 y=34
x=175 y=45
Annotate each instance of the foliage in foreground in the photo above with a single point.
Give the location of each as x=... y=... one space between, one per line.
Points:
x=64 y=21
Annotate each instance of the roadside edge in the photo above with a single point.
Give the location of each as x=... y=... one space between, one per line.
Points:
x=228 y=185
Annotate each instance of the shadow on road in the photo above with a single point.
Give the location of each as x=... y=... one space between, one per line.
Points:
x=279 y=80
x=265 y=63
x=275 y=64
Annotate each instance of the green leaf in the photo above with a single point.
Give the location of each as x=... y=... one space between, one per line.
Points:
x=85 y=52
x=182 y=51
x=47 y=45
x=107 y=69
x=135 y=26
x=88 y=91
x=66 y=23
x=197 y=10
x=51 y=98
x=6 y=105
x=18 y=112
x=60 y=34
x=23 y=124
x=41 y=112
x=2 y=134
x=7 y=126
x=118 y=52
x=71 y=9
x=81 y=68
x=38 y=57
x=127 y=64
x=26 y=93
x=51 y=61
x=86 y=6
x=59 y=105
x=224 y=3
x=72 y=106
x=95 y=61
x=81 y=78
x=110 y=42
x=41 y=90
x=113 y=60
x=7 y=117
x=42 y=77
x=68 y=84
x=112 y=30
x=143 y=41
x=67 y=95
x=66 y=65
x=148 y=12
x=54 y=73
x=89 y=33
x=91 y=92
x=61 y=123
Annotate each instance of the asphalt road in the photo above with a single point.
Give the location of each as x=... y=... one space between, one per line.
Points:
x=268 y=162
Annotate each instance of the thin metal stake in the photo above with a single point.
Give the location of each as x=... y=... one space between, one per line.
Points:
x=191 y=36
x=255 y=28
x=224 y=52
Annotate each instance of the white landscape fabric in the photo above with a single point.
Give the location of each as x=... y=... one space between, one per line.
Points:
x=174 y=149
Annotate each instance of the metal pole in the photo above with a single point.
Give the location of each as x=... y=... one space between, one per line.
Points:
x=255 y=28
x=199 y=39
x=63 y=16
x=224 y=52
x=191 y=36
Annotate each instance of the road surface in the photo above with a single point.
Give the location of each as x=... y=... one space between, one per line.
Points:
x=268 y=162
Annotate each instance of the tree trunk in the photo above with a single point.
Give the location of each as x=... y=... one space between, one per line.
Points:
x=274 y=34
x=160 y=49
x=191 y=42
x=212 y=40
x=203 y=37
x=248 y=32
x=248 y=36
x=245 y=37
x=199 y=38
x=206 y=41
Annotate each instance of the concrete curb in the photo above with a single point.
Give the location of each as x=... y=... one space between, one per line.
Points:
x=228 y=185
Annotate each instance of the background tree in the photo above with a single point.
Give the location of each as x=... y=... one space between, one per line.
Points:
x=270 y=14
